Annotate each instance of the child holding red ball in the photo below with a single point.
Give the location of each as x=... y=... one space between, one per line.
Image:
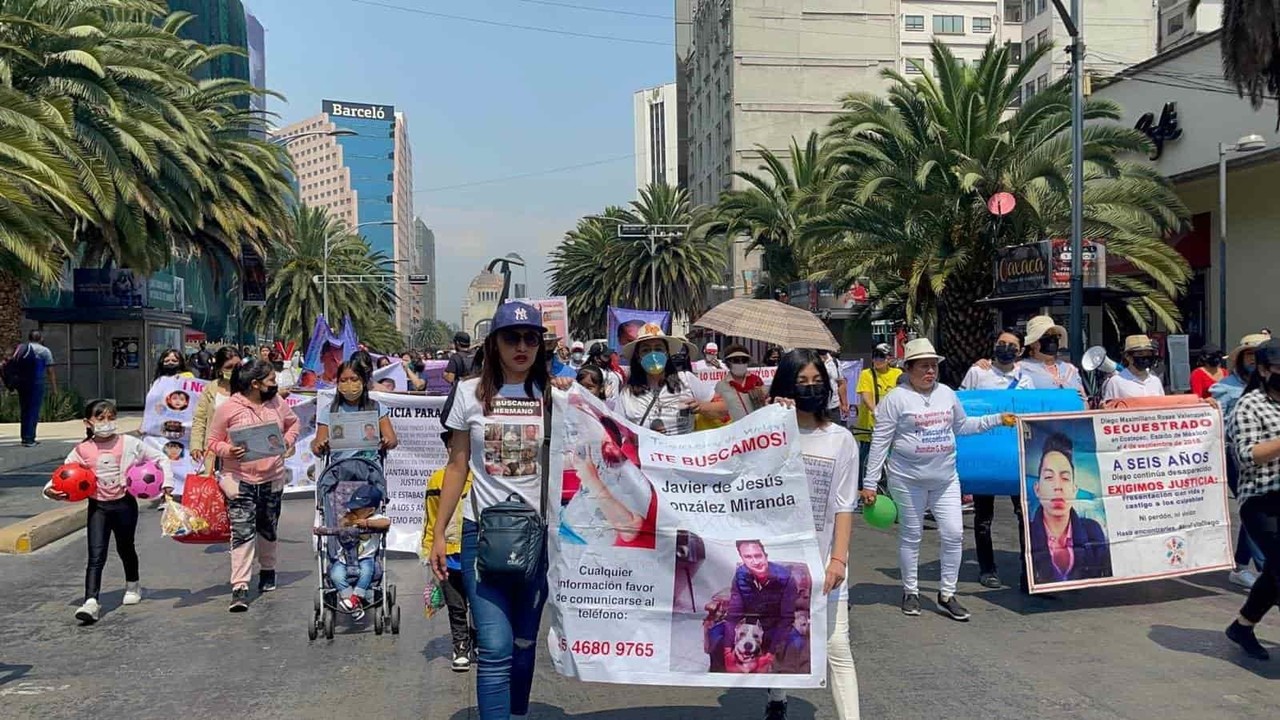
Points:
x=112 y=511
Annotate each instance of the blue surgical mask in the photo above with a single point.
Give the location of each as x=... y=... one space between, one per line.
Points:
x=654 y=363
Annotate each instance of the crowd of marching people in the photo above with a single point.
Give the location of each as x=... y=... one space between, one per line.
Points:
x=891 y=434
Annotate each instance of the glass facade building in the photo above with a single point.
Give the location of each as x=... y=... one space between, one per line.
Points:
x=370 y=158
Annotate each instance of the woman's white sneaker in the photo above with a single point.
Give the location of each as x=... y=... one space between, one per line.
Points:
x=132 y=593
x=1242 y=576
x=88 y=612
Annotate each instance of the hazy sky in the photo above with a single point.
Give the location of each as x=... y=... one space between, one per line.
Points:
x=483 y=102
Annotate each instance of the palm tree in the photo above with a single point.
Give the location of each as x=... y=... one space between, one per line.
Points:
x=432 y=334
x=580 y=268
x=908 y=208
x=685 y=263
x=1250 y=46
x=294 y=299
x=774 y=207
x=113 y=152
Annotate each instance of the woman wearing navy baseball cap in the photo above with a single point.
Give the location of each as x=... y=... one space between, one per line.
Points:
x=498 y=423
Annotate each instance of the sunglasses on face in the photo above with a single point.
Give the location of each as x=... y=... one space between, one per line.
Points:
x=530 y=338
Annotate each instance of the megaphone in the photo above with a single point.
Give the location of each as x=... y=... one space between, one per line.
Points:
x=1095 y=358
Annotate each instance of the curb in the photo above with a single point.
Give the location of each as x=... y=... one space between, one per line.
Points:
x=35 y=532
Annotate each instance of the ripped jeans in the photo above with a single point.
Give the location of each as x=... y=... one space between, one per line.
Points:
x=506 y=616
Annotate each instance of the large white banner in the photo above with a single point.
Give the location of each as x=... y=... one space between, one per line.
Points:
x=687 y=560
x=1124 y=496
x=166 y=426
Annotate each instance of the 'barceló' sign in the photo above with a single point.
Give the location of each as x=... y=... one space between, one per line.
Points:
x=359 y=111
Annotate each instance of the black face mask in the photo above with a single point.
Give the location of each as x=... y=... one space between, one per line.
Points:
x=1143 y=363
x=1273 y=382
x=811 y=398
x=1006 y=353
x=168 y=369
x=268 y=392
x=1049 y=346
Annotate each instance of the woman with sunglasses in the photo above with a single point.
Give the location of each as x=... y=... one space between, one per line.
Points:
x=831 y=462
x=496 y=424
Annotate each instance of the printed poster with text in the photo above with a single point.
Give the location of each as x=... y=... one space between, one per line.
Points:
x=683 y=560
x=1123 y=496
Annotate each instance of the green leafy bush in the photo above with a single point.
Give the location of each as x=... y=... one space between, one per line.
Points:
x=58 y=405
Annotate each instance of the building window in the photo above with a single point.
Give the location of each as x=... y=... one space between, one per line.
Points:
x=1030 y=91
x=1028 y=10
x=1175 y=23
x=982 y=24
x=1031 y=47
x=1041 y=5
x=1017 y=98
x=915 y=23
x=948 y=24
x=914 y=66
x=1042 y=82
x=1015 y=53
x=1013 y=12
x=657 y=144
x=1042 y=38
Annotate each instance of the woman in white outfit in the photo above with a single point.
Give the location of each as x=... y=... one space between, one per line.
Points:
x=919 y=420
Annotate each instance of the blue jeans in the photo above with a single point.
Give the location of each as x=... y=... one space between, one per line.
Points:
x=338 y=574
x=506 y=617
x=30 y=398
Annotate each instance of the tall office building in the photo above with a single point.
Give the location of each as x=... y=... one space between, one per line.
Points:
x=426 y=242
x=656 y=126
x=362 y=178
x=218 y=22
x=256 y=39
x=1118 y=33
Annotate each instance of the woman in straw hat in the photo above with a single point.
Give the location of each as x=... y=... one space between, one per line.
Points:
x=919 y=421
x=1135 y=380
x=1227 y=391
x=658 y=395
x=1041 y=364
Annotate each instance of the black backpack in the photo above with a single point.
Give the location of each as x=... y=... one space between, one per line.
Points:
x=17 y=369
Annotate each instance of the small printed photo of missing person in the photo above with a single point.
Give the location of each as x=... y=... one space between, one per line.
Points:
x=740 y=607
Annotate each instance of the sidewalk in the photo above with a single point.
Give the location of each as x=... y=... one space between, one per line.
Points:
x=56 y=440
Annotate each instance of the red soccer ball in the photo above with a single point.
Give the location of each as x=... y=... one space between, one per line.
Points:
x=77 y=481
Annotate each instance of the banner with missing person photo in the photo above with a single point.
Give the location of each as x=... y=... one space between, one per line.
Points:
x=683 y=560
x=1126 y=496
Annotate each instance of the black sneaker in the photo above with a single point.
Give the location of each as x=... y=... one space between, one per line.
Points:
x=989 y=580
x=239 y=600
x=775 y=710
x=952 y=607
x=911 y=604
x=266 y=581
x=461 y=659
x=1244 y=637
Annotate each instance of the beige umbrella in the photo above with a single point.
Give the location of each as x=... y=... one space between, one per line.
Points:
x=769 y=321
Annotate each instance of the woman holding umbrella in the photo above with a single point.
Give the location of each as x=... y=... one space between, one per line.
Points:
x=658 y=396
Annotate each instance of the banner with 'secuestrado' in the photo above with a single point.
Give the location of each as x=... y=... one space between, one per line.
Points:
x=682 y=560
x=1126 y=496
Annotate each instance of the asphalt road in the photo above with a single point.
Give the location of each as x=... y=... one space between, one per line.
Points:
x=1146 y=651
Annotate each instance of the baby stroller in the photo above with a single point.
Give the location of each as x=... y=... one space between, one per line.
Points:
x=333 y=489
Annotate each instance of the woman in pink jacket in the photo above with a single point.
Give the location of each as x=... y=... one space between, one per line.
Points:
x=253 y=486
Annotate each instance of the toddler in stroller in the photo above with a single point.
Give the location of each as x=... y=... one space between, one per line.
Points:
x=351 y=547
x=359 y=548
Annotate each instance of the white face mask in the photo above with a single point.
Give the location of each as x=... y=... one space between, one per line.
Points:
x=104 y=429
x=738 y=369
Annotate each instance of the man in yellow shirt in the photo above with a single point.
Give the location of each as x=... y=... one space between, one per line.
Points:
x=873 y=384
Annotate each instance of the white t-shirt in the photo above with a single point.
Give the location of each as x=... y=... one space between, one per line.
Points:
x=1125 y=384
x=669 y=414
x=506 y=445
x=833 y=376
x=831 y=464
x=996 y=379
x=1067 y=377
x=921 y=431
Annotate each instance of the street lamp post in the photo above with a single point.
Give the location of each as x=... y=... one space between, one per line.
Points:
x=324 y=282
x=1246 y=144
x=652 y=233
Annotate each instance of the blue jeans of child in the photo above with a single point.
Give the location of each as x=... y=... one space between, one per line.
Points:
x=338 y=574
x=506 y=616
